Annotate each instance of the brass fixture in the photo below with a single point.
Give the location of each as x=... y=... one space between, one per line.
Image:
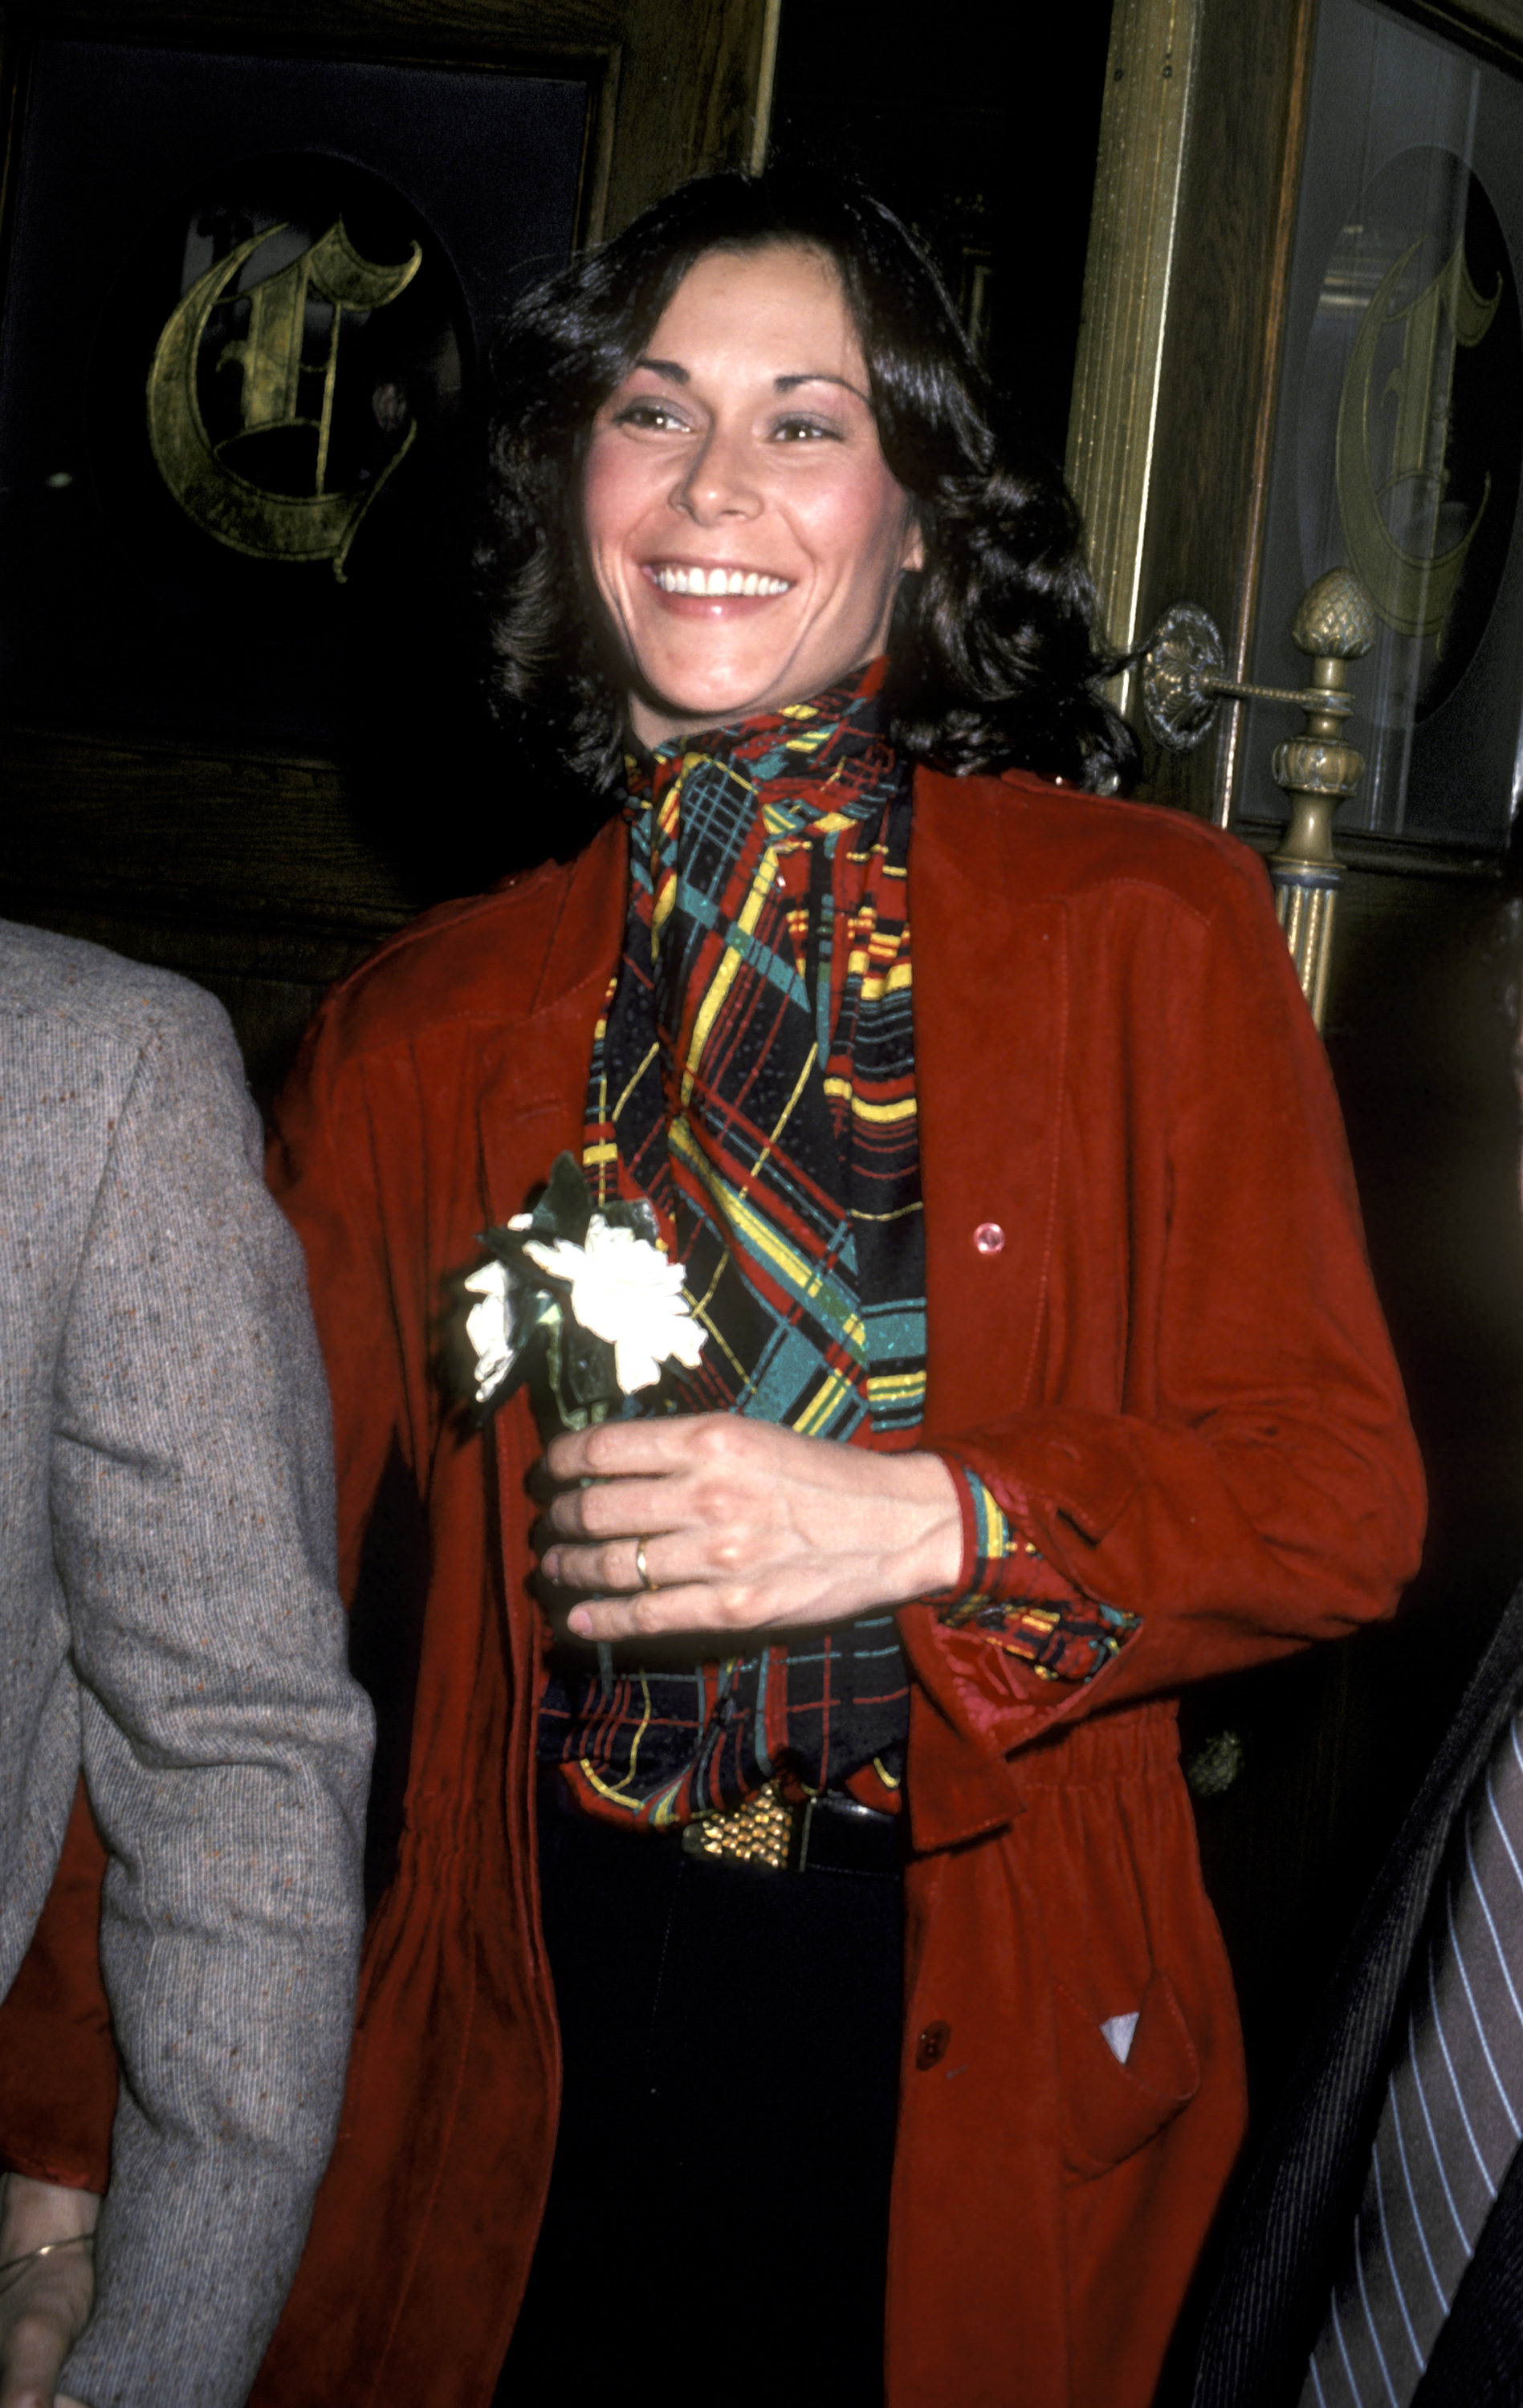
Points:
x=1182 y=685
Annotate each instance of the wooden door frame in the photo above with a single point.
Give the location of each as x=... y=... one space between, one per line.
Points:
x=1185 y=287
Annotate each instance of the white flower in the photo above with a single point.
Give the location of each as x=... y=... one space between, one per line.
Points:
x=489 y=1327
x=626 y=1290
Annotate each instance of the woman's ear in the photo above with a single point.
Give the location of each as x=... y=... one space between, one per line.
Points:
x=914 y=549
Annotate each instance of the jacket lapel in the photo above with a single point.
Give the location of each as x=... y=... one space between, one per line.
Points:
x=991 y=1018
x=533 y=1094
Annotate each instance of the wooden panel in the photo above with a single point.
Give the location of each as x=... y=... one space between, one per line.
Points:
x=1150 y=86
x=694 y=92
x=686 y=91
x=272 y=841
x=1501 y=19
x=1216 y=389
x=258 y=878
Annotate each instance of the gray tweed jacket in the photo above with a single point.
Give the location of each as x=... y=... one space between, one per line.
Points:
x=168 y=1619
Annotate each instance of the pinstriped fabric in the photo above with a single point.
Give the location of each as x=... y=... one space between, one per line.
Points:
x=1451 y=2123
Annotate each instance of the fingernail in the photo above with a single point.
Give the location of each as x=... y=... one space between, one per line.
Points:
x=581 y=1621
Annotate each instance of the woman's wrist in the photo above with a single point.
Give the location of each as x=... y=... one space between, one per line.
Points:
x=932 y=1559
x=38 y=2214
x=46 y=2284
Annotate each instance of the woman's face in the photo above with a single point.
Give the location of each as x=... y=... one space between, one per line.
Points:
x=743 y=529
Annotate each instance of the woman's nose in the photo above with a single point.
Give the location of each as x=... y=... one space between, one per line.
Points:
x=719 y=482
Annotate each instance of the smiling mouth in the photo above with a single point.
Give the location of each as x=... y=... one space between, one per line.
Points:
x=672 y=580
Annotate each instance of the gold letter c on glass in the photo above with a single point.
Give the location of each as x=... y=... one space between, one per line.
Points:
x=282 y=392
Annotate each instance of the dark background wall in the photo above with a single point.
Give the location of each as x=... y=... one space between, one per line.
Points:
x=980 y=125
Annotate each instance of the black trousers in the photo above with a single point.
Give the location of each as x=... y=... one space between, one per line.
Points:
x=718 y=2213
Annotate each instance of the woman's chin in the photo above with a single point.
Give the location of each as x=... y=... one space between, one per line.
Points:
x=678 y=699
x=691 y=707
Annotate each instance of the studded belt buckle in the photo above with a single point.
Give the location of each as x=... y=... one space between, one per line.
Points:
x=757 y=1832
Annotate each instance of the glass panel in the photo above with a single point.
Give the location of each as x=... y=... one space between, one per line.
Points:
x=1399 y=435
x=239 y=386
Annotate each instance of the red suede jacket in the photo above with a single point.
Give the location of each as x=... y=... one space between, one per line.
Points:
x=1173 y=1373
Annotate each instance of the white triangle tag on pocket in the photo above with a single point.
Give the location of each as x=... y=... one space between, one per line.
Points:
x=1120 y=2031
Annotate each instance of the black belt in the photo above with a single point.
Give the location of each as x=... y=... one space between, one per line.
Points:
x=827 y=1834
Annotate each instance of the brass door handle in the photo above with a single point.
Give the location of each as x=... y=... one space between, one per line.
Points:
x=1182 y=687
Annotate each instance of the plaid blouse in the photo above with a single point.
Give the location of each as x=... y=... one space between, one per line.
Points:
x=752 y=1075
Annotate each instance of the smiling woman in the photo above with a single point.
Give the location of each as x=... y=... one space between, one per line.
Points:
x=992 y=658
x=745 y=532
x=796 y=1975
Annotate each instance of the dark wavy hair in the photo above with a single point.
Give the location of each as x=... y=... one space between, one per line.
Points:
x=992 y=653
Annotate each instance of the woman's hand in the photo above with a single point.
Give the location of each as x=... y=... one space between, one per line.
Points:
x=45 y=2303
x=745 y=1526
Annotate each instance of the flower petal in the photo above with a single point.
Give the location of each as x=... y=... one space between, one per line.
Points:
x=562 y=1260
x=633 y=1366
x=491 y=1280
x=487 y=1331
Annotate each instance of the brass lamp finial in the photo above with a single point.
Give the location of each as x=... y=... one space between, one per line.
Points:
x=1316 y=769
x=1336 y=620
x=1182 y=684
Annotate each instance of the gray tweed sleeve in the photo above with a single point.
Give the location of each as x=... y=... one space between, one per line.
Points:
x=225 y=1746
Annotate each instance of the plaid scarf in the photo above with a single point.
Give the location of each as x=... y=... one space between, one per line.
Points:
x=753 y=1076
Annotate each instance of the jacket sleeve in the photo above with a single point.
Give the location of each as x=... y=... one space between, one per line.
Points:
x=224 y=1746
x=59 y=2064
x=1259 y=1487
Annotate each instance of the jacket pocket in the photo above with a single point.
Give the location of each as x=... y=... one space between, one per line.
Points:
x=1110 y=2110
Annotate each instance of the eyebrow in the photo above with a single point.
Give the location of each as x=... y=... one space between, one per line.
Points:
x=676 y=374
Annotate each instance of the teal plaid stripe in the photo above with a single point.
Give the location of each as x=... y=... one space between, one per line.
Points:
x=755 y=1078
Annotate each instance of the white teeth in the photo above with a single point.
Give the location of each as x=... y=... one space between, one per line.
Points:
x=718 y=580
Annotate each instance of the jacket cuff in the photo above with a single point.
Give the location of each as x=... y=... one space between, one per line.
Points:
x=1010 y=1597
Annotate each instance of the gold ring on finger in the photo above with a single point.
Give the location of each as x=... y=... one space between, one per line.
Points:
x=642 y=1567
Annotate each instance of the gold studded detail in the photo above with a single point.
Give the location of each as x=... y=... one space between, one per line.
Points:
x=755 y=1833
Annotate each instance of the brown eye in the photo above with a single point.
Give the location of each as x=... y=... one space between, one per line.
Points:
x=804 y=430
x=650 y=414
